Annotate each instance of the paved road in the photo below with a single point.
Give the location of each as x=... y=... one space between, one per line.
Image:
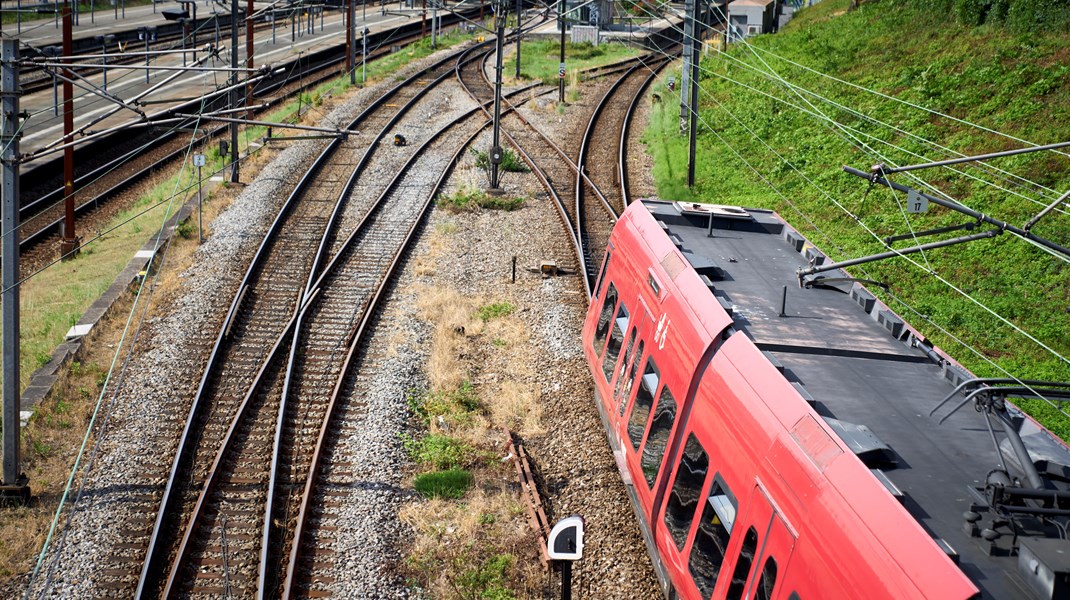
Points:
x=47 y=32
x=45 y=126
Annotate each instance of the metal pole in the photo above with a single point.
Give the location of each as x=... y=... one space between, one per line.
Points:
x=979 y=157
x=147 y=54
x=18 y=16
x=561 y=69
x=955 y=206
x=69 y=244
x=13 y=480
x=434 y=24
x=685 y=74
x=200 y=209
x=249 y=51
x=351 y=14
x=234 y=93
x=104 y=62
x=274 y=16
x=884 y=255
x=496 y=149
x=1047 y=209
x=519 y=5
x=364 y=42
x=693 y=112
x=423 y=20
x=566 y=580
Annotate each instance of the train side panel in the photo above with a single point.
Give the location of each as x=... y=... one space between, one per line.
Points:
x=742 y=490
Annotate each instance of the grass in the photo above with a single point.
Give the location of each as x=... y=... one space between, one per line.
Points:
x=451 y=484
x=440 y=452
x=540 y=60
x=473 y=200
x=496 y=310
x=471 y=536
x=510 y=161
x=987 y=75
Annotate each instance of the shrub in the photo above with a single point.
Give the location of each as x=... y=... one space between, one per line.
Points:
x=971 y=12
x=470 y=200
x=456 y=406
x=510 y=161
x=439 y=451
x=450 y=484
x=493 y=311
x=187 y=229
x=487 y=579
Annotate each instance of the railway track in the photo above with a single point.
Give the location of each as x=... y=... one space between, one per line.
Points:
x=41 y=219
x=265 y=302
x=239 y=532
x=559 y=174
x=602 y=157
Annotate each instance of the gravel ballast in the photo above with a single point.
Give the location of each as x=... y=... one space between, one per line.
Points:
x=473 y=255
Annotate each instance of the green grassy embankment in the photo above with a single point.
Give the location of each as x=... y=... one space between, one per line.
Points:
x=1002 y=81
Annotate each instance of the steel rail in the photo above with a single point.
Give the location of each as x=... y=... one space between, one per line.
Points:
x=622 y=161
x=583 y=233
x=149 y=570
x=321 y=441
x=562 y=211
x=315 y=280
x=294 y=336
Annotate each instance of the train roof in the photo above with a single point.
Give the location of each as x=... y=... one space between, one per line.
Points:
x=962 y=474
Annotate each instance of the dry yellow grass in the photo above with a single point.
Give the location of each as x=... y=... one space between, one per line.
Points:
x=516 y=406
x=454 y=322
x=455 y=538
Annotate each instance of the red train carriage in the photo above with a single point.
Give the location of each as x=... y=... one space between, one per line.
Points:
x=746 y=486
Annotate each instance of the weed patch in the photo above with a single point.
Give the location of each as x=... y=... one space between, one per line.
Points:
x=496 y=310
x=511 y=163
x=440 y=451
x=451 y=484
x=471 y=200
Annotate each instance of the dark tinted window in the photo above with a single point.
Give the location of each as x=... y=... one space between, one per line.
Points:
x=767 y=582
x=623 y=370
x=627 y=391
x=746 y=557
x=604 y=318
x=616 y=339
x=654 y=449
x=602 y=273
x=644 y=401
x=683 y=500
x=711 y=540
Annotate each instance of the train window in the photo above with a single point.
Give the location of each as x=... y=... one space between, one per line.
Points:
x=603 y=319
x=622 y=372
x=660 y=427
x=686 y=491
x=602 y=274
x=746 y=557
x=616 y=339
x=631 y=379
x=767 y=581
x=644 y=401
x=711 y=541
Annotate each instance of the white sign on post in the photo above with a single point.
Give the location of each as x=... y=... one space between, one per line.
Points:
x=198 y=160
x=916 y=203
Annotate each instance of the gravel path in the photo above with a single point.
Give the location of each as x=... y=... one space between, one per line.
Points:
x=471 y=253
